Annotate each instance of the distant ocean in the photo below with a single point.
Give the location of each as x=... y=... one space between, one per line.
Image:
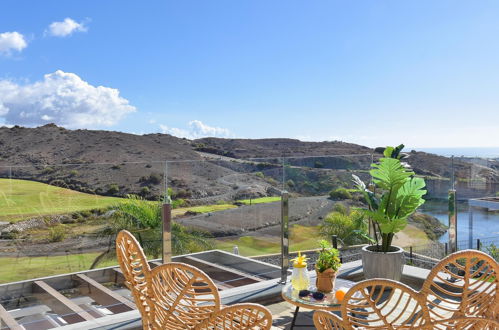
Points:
x=492 y=152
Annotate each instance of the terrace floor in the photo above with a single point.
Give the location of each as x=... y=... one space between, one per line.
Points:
x=282 y=314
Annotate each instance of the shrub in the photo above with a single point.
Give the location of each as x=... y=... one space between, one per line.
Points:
x=182 y=193
x=290 y=183
x=259 y=174
x=340 y=208
x=493 y=250
x=113 y=189
x=178 y=203
x=272 y=181
x=349 y=226
x=155 y=178
x=48 y=170
x=73 y=173
x=115 y=167
x=340 y=194
x=57 y=234
x=86 y=214
x=145 y=191
x=13 y=234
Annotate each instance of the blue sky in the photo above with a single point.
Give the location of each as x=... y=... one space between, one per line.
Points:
x=425 y=73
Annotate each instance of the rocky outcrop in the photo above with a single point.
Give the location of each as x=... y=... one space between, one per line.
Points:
x=432 y=227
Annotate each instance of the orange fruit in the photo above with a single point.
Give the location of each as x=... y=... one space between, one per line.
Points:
x=340 y=294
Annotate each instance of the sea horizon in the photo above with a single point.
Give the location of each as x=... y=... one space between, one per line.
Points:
x=483 y=152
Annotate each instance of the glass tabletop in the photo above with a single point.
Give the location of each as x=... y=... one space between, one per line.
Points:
x=329 y=299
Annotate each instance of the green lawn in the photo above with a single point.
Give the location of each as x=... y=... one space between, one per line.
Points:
x=22 y=198
x=260 y=200
x=301 y=238
x=203 y=209
x=23 y=268
x=221 y=207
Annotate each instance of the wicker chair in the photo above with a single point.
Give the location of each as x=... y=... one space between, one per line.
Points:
x=180 y=296
x=377 y=304
x=464 y=284
x=136 y=270
x=184 y=297
x=461 y=292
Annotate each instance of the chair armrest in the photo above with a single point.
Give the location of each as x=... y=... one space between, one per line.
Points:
x=327 y=321
x=239 y=316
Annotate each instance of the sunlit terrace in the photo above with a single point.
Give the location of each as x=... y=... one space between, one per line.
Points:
x=242 y=223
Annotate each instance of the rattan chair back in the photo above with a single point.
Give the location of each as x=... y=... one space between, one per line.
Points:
x=133 y=264
x=183 y=296
x=464 y=284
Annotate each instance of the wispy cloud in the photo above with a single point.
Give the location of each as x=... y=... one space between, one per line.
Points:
x=196 y=129
x=12 y=41
x=65 y=28
x=64 y=99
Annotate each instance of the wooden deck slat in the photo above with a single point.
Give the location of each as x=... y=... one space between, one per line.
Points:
x=8 y=320
x=105 y=291
x=68 y=304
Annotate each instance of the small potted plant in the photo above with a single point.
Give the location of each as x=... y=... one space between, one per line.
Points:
x=396 y=195
x=326 y=267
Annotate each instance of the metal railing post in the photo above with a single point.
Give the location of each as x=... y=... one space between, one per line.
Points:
x=284 y=236
x=478 y=244
x=166 y=215
x=470 y=226
x=334 y=240
x=452 y=221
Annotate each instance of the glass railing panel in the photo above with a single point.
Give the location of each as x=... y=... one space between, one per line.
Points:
x=324 y=201
x=234 y=206
x=477 y=187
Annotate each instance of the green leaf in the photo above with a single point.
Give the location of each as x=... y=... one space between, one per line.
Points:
x=410 y=197
x=393 y=226
x=388 y=152
x=389 y=174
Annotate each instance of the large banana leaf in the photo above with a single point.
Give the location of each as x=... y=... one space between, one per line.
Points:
x=389 y=174
x=410 y=197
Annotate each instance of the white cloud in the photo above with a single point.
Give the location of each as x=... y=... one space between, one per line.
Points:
x=64 y=99
x=65 y=28
x=11 y=41
x=196 y=130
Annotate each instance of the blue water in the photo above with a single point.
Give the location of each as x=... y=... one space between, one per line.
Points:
x=485 y=224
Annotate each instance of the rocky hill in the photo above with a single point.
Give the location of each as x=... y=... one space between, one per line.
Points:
x=202 y=171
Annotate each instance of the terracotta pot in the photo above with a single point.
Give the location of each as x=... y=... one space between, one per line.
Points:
x=325 y=280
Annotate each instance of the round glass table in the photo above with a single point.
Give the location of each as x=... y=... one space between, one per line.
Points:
x=329 y=302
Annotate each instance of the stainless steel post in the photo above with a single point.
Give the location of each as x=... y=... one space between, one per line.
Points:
x=452 y=221
x=166 y=215
x=284 y=236
x=470 y=226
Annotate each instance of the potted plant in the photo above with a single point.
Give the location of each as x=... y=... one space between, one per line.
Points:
x=326 y=267
x=396 y=195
